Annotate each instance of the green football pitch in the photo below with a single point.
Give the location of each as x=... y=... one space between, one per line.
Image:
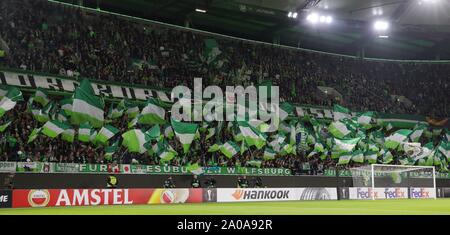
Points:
x=347 y=207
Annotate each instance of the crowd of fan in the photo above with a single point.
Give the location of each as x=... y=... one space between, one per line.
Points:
x=61 y=40
x=14 y=146
x=58 y=40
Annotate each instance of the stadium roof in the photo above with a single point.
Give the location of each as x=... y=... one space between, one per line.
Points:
x=420 y=29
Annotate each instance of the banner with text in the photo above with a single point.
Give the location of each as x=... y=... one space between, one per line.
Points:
x=275 y=194
x=93 y=197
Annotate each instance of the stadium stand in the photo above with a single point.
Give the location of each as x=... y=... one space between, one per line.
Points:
x=65 y=41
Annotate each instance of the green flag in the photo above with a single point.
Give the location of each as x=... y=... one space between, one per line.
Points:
x=185 y=133
x=152 y=113
x=269 y=154
x=229 y=149
x=84 y=132
x=344 y=158
x=396 y=138
x=345 y=145
x=86 y=106
x=110 y=150
x=252 y=136
x=53 y=128
x=40 y=96
x=106 y=133
x=134 y=140
x=339 y=129
x=10 y=100
x=4 y=126
x=33 y=135
x=68 y=135
x=340 y=112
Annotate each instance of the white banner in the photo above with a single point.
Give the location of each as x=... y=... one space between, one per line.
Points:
x=422 y=193
x=7 y=166
x=30 y=80
x=275 y=194
x=362 y=193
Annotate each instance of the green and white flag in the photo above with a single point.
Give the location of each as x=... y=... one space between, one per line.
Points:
x=154 y=133
x=9 y=101
x=396 y=138
x=417 y=133
x=133 y=111
x=371 y=157
x=116 y=112
x=84 y=132
x=229 y=149
x=133 y=122
x=165 y=151
x=238 y=137
x=345 y=145
x=364 y=119
x=185 y=133
x=66 y=106
x=86 y=106
x=214 y=148
x=318 y=147
x=4 y=126
x=42 y=115
x=389 y=126
x=61 y=116
x=134 y=140
x=388 y=157
x=252 y=136
x=34 y=134
x=358 y=156
x=41 y=97
x=110 y=150
x=152 y=113
x=168 y=132
x=340 y=112
x=106 y=133
x=269 y=154
x=444 y=148
x=68 y=135
x=255 y=163
x=344 y=158
x=338 y=129
x=53 y=128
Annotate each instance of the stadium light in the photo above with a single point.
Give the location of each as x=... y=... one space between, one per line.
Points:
x=383 y=36
x=200 y=10
x=292 y=15
x=377 y=11
x=315 y=18
x=381 y=25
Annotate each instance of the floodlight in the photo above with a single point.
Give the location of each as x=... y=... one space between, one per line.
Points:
x=381 y=25
x=313 y=18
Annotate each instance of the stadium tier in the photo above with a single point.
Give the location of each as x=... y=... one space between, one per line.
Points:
x=87 y=96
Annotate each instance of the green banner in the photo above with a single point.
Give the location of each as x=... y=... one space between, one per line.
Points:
x=152 y=169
